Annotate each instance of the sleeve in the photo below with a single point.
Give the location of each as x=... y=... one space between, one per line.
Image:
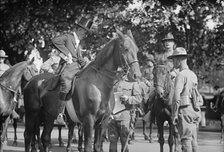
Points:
x=178 y=88
x=59 y=43
x=136 y=97
x=46 y=66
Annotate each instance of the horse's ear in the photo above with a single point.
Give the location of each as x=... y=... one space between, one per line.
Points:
x=120 y=34
x=129 y=33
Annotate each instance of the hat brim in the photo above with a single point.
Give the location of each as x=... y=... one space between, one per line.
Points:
x=179 y=55
x=4 y=56
x=168 y=39
x=83 y=27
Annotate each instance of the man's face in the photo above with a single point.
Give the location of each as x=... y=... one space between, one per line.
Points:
x=81 y=33
x=169 y=44
x=2 y=60
x=176 y=62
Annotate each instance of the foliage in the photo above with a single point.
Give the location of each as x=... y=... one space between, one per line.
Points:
x=28 y=22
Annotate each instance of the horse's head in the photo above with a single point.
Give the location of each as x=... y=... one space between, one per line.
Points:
x=129 y=59
x=162 y=81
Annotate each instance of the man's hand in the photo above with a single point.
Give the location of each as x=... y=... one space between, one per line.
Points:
x=68 y=58
x=175 y=120
x=124 y=99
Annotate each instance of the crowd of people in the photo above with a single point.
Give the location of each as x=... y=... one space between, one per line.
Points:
x=67 y=52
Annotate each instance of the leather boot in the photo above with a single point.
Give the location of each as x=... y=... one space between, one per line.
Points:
x=60 y=118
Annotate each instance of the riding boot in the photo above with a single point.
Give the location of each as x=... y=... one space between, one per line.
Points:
x=60 y=118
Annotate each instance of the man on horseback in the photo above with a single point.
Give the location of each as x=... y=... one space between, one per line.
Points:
x=70 y=53
x=161 y=59
x=186 y=114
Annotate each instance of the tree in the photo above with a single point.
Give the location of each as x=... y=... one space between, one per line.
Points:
x=28 y=22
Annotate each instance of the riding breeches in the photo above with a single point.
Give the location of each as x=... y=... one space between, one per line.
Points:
x=67 y=76
x=188 y=133
x=116 y=130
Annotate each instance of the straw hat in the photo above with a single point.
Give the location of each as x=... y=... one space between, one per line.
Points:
x=2 y=54
x=178 y=52
x=85 y=23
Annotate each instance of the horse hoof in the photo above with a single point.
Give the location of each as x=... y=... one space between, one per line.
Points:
x=150 y=141
x=15 y=143
x=74 y=141
x=68 y=149
x=50 y=146
x=146 y=137
x=61 y=144
x=33 y=150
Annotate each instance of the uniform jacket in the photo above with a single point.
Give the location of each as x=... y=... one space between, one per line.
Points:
x=182 y=98
x=135 y=92
x=3 y=68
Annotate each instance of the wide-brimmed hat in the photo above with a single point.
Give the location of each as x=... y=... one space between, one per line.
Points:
x=178 y=52
x=168 y=37
x=84 y=23
x=2 y=54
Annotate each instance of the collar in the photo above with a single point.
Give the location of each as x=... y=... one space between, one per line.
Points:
x=76 y=39
x=185 y=67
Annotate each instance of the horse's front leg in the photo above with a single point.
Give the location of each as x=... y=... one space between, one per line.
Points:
x=222 y=128
x=100 y=130
x=15 y=135
x=61 y=143
x=71 y=126
x=88 y=124
x=80 y=134
x=161 y=134
x=171 y=135
x=144 y=129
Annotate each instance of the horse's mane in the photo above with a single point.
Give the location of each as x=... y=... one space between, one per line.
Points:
x=8 y=73
x=102 y=55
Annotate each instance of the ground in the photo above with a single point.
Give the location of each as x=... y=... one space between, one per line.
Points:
x=209 y=141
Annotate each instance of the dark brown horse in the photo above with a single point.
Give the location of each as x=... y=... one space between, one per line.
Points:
x=90 y=100
x=161 y=110
x=10 y=82
x=216 y=112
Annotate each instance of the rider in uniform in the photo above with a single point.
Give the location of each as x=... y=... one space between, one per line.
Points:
x=69 y=47
x=162 y=60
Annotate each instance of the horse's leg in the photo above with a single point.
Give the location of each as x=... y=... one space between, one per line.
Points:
x=150 y=132
x=161 y=134
x=222 y=128
x=98 y=137
x=80 y=134
x=29 y=132
x=47 y=129
x=61 y=143
x=144 y=129
x=71 y=126
x=171 y=135
x=4 y=130
x=15 y=135
x=88 y=124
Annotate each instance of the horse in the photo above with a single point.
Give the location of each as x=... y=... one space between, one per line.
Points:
x=10 y=82
x=90 y=96
x=215 y=111
x=161 y=109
